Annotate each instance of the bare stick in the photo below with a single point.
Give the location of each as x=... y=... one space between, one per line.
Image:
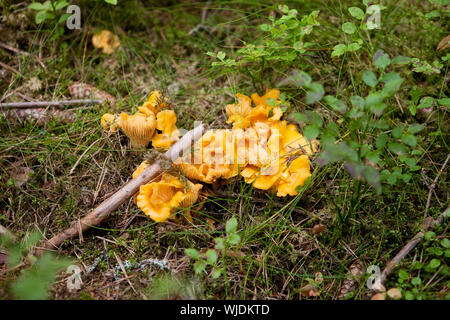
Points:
x=45 y=104
x=433 y=185
x=103 y=210
x=7 y=47
x=427 y=224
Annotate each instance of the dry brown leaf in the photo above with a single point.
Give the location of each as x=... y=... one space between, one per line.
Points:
x=444 y=44
x=379 y=296
x=318 y=228
x=394 y=293
x=20 y=174
x=79 y=90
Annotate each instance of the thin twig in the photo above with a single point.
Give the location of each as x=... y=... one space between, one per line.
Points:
x=433 y=185
x=428 y=223
x=7 y=47
x=3 y=65
x=45 y=104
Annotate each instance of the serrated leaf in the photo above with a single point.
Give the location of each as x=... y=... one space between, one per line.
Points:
x=234 y=239
x=193 y=253
x=231 y=225
x=370 y=78
x=336 y=104
x=397 y=148
x=211 y=256
x=381 y=140
x=311 y=132
x=409 y=139
x=381 y=59
x=315 y=94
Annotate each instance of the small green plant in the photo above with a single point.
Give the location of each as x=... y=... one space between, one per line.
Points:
x=51 y=11
x=283 y=41
x=34 y=281
x=222 y=246
x=416 y=281
x=352 y=30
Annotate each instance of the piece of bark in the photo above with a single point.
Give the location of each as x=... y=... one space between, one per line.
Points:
x=351 y=281
x=79 y=90
x=39 y=115
x=102 y=211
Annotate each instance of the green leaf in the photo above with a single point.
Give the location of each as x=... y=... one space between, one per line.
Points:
x=234 y=239
x=349 y=27
x=41 y=16
x=378 y=108
x=315 y=94
x=415 y=127
x=338 y=50
x=401 y=60
x=336 y=104
x=356 y=12
x=429 y=235
x=445 y=102
x=381 y=59
x=231 y=225
x=381 y=140
x=402 y=274
x=216 y=273
x=397 y=132
x=416 y=281
x=265 y=27
x=199 y=266
x=61 y=4
x=113 y=2
x=311 y=132
x=397 y=148
x=220 y=243
x=370 y=78
x=373 y=157
x=193 y=253
x=409 y=139
x=445 y=243
x=211 y=256
x=221 y=55
x=357 y=102
x=37 y=6
x=434 y=263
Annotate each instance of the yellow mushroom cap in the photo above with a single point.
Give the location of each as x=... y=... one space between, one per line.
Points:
x=108 y=122
x=159 y=199
x=154 y=103
x=165 y=121
x=144 y=165
x=106 y=40
x=138 y=127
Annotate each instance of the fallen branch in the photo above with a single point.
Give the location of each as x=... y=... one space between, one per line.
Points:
x=433 y=185
x=428 y=223
x=102 y=211
x=45 y=104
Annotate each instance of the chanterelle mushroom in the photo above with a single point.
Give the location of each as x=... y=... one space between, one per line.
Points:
x=106 y=40
x=159 y=199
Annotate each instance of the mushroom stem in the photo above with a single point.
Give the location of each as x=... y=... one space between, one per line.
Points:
x=103 y=210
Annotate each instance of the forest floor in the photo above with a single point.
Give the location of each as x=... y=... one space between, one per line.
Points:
x=290 y=248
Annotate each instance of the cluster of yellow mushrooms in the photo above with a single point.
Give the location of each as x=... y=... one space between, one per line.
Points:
x=266 y=151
